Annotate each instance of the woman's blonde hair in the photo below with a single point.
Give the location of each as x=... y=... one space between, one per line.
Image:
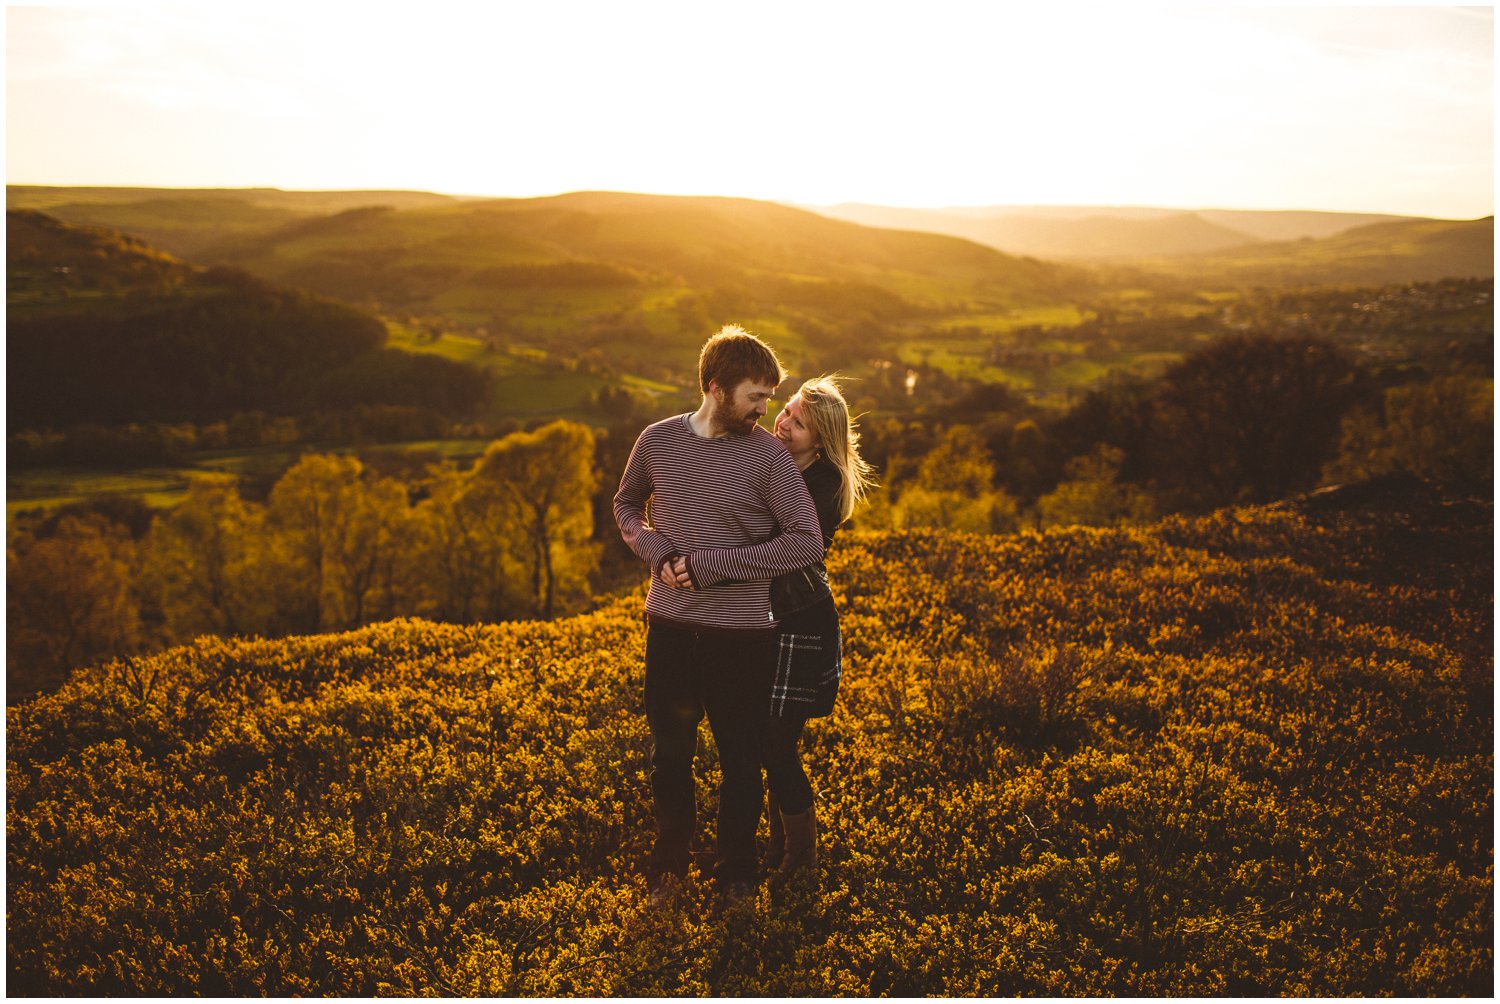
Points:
x=826 y=412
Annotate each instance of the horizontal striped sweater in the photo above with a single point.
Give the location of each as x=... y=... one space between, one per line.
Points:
x=736 y=505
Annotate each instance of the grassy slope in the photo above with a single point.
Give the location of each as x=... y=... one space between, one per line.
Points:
x=687 y=237
x=66 y=198
x=189 y=221
x=702 y=239
x=632 y=280
x=1102 y=237
x=677 y=247
x=1403 y=251
x=1246 y=754
x=1091 y=232
x=48 y=262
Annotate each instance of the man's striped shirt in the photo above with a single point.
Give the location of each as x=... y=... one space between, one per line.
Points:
x=737 y=505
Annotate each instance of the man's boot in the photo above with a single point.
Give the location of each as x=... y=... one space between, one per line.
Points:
x=801 y=843
x=776 y=842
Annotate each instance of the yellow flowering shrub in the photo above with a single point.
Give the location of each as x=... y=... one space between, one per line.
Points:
x=1248 y=753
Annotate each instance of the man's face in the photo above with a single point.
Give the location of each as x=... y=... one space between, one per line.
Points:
x=738 y=412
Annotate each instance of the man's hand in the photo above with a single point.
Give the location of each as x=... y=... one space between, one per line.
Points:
x=674 y=572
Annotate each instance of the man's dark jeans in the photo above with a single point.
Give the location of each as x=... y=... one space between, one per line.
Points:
x=728 y=676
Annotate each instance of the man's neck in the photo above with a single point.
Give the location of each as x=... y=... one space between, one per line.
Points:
x=703 y=422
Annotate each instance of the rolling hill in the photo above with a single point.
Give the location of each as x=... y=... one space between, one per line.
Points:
x=651 y=240
x=426 y=252
x=559 y=298
x=1104 y=232
x=80 y=198
x=1247 y=754
x=1218 y=247
x=700 y=239
x=631 y=277
x=1401 y=251
x=184 y=221
x=103 y=328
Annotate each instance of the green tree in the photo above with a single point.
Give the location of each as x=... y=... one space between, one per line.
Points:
x=464 y=558
x=376 y=559
x=1028 y=454
x=1444 y=430
x=69 y=601
x=959 y=463
x=197 y=562
x=1441 y=430
x=540 y=483
x=1251 y=418
x=1364 y=448
x=990 y=512
x=954 y=490
x=334 y=541
x=1092 y=494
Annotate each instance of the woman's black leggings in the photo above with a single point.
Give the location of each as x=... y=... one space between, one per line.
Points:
x=783 y=762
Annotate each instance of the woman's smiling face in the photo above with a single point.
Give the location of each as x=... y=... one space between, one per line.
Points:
x=798 y=438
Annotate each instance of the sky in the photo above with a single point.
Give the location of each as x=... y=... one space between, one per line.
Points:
x=922 y=103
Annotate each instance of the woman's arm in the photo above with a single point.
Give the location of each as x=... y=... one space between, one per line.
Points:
x=799 y=544
x=826 y=484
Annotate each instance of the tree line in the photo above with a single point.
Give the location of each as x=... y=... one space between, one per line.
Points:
x=334 y=546
x=527 y=531
x=144 y=444
x=204 y=358
x=1249 y=418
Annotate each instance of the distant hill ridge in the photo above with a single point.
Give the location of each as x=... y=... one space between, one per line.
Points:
x=1109 y=232
x=725 y=225
x=635 y=276
x=45 y=258
x=53 y=196
x=428 y=245
x=1393 y=251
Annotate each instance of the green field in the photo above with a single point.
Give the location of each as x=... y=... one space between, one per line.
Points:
x=49 y=487
x=1056 y=316
x=529 y=382
x=164 y=487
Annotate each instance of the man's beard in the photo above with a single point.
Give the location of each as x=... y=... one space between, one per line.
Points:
x=741 y=425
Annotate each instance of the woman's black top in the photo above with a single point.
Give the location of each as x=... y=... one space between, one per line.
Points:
x=799 y=590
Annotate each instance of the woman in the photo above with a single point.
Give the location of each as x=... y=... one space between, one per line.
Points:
x=817 y=431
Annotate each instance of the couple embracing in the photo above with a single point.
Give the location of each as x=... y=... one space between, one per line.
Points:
x=741 y=627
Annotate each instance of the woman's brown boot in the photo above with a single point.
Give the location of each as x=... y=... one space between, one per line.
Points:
x=801 y=843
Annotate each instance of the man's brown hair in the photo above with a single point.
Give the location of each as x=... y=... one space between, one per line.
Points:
x=733 y=356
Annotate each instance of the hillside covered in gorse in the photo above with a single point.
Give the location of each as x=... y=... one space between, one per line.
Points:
x=1245 y=753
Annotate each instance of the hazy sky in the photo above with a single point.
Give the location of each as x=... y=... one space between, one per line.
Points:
x=918 y=103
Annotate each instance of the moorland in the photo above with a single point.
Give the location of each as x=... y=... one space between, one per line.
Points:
x=323 y=653
x=1247 y=753
x=174 y=345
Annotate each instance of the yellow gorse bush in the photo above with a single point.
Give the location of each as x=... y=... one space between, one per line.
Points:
x=1248 y=753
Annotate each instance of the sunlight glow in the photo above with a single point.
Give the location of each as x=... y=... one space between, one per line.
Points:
x=949 y=103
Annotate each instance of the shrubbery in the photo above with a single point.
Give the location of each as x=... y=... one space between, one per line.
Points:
x=1248 y=753
x=337 y=545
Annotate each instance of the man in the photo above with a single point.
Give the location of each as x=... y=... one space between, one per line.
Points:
x=716 y=508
